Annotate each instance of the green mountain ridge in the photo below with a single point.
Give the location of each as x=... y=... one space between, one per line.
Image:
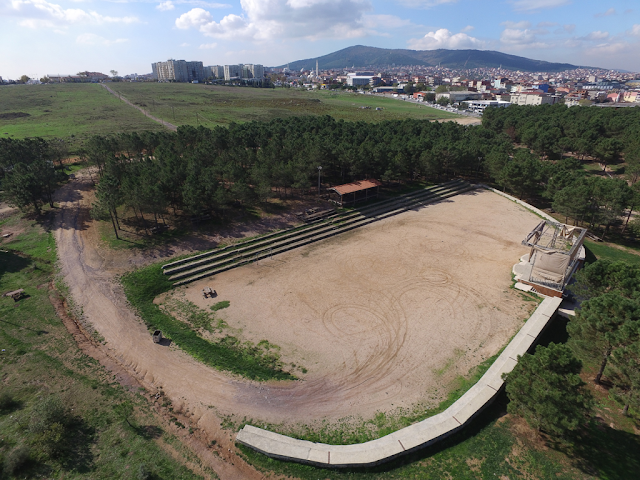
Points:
x=363 y=56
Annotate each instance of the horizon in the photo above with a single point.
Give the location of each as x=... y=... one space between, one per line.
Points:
x=69 y=36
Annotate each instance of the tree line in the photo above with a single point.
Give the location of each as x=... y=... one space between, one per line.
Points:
x=31 y=170
x=546 y=388
x=198 y=171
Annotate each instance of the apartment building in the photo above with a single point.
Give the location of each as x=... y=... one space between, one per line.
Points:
x=178 y=71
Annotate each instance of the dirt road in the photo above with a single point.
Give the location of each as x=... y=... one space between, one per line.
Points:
x=168 y=125
x=464 y=289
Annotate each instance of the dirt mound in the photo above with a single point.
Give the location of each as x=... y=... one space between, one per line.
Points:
x=13 y=115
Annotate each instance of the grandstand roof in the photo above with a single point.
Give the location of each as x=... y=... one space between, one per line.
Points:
x=356 y=186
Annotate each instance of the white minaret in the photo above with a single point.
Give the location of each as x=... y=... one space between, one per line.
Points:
x=317 y=71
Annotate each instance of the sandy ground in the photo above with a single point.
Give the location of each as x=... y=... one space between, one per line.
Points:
x=374 y=315
x=387 y=313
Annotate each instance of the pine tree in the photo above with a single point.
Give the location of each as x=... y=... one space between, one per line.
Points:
x=547 y=391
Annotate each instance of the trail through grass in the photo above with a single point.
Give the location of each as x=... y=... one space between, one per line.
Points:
x=70 y=111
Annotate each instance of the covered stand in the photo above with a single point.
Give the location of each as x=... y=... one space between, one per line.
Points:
x=359 y=191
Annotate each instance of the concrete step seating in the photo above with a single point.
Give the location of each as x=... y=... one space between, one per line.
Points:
x=179 y=265
x=211 y=263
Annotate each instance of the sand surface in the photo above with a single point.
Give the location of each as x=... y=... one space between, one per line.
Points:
x=386 y=315
x=381 y=317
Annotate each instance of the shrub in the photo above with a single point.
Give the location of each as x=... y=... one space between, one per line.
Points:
x=7 y=402
x=16 y=459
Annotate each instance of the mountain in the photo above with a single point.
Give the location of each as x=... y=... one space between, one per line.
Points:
x=362 y=56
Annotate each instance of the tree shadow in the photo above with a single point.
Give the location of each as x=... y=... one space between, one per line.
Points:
x=77 y=455
x=605 y=452
x=149 y=432
x=12 y=263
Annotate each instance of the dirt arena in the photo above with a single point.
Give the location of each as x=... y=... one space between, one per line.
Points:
x=387 y=315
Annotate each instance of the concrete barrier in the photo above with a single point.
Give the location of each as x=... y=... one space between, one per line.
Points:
x=535 y=210
x=416 y=436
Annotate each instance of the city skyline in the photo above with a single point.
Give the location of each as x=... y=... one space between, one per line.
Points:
x=65 y=36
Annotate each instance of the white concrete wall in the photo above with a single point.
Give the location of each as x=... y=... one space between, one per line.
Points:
x=416 y=436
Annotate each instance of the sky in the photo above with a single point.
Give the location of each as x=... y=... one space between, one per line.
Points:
x=39 y=37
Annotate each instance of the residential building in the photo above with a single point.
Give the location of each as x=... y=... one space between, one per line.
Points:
x=531 y=98
x=232 y=72
x=178 y=71
x=459 y=96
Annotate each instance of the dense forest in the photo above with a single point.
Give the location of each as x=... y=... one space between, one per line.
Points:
x=535 y=153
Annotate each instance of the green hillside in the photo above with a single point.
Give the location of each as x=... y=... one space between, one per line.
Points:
x=362 y=56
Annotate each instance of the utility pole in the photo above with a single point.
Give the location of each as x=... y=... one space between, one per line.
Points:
x=319 y=171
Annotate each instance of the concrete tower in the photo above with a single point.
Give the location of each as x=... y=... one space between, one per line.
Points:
x=317 y=71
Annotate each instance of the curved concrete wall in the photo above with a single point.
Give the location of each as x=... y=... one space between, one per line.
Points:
x=416 y=436
x=535 y=210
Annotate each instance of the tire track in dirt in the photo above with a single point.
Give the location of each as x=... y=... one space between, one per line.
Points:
x=202 y=393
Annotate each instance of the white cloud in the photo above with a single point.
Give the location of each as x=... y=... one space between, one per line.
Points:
x=93 y=39
x=201 y=3
x=523 y=38
x=425 y=3
x=593 y=36
x=443 y=38
x=386 y=21
x=608 y=13
x=185 y=44
x=468 y=28
x=165 y=6
x=519 y=25
x=276 y=19
x=635 y=30
x=533 y=6
x=208 y=46
x=515 y=36
x=40 y=13
x=546 y=24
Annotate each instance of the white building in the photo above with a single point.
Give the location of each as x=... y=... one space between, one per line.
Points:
x=178 y=71
x=355 y=80
x=533 y=99
x=479 y=106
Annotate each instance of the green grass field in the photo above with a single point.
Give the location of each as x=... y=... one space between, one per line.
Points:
x=40 y=360
x=178 y=103
x=73 y=111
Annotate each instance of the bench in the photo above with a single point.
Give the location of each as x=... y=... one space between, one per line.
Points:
x=16 y=294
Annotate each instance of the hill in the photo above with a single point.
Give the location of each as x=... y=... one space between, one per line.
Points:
x=362 y=56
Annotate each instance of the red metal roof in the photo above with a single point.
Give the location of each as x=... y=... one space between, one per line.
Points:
x=356 y=186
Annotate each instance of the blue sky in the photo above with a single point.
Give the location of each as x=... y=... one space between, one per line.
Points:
x=66 y=36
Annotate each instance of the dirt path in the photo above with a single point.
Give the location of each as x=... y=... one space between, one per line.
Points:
x=464 y=283
x=168 y=125
x=94 y=290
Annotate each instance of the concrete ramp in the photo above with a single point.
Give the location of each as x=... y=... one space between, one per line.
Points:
x=416 y=436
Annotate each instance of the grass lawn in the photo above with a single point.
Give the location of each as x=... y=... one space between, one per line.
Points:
x=72 y=111
x=179 y=103
x=604 y=251
x=40 y=360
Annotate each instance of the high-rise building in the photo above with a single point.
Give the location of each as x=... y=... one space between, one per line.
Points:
x=257 y=71
x=195 y=71
x=232 y=71
x=214 y=71
x=178 y=71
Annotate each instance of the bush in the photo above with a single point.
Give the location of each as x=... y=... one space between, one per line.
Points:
x=16 y=459
x=143 y=473
x=7 y=402
x=48 y=424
